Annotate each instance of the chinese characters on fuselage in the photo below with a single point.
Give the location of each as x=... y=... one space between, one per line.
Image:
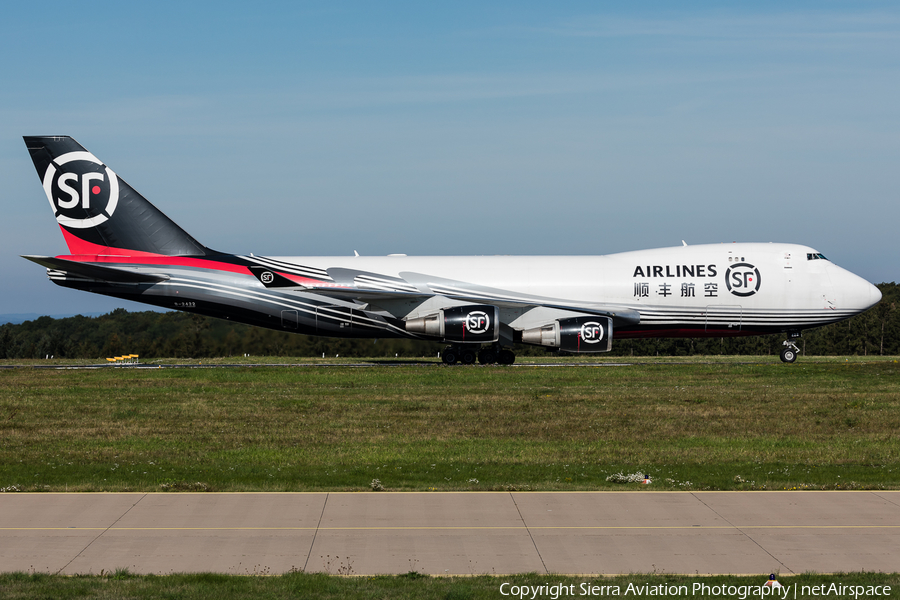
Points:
x=688 y=289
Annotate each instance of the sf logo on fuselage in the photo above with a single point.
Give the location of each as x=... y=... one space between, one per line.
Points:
x=591 y=332
x=478 y=322
x=82 y=191
x=742 y=279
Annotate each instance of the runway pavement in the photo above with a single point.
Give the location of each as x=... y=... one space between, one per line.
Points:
x=453 y=533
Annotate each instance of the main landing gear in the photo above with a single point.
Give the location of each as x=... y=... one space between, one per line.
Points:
x=790 y=352
x=487 y=356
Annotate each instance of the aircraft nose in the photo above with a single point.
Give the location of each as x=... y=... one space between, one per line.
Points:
x=865 y=295
x=874 y=295
x=856 y=292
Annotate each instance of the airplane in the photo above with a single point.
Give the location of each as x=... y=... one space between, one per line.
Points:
x=121 y=245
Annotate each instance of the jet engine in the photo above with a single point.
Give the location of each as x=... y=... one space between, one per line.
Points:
x=576 y=334
x=473 y=323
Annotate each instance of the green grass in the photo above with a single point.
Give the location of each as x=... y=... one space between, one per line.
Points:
x=122 y=584
x=745 y=423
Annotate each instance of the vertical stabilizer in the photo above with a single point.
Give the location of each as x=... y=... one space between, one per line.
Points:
x=97 y=211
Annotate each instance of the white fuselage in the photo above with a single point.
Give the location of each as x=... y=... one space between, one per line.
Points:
x=736 y=287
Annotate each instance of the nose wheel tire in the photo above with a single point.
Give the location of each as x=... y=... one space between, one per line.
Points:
x=788 y=355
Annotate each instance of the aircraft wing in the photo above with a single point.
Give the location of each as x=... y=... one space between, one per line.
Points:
x=375 y=288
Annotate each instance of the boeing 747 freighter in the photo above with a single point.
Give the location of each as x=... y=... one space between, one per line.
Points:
x=121 y=245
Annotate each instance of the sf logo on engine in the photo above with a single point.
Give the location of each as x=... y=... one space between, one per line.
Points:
x=742 y=279
x=478 y=322
x=591 y=332
x=82 y=191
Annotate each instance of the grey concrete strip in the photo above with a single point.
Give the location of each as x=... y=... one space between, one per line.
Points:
x=437 y=533
x=453 y=533
x=436 y=552
x=832 y=550
x=236 y=511
x=162 y=551
x=618 y=532
x=793 y=509
x=419 y=510
x=228 y=533
x=62 y=511
x=42 y=551
x=852 y=531
x=614 y=509
x=68 y=524
x=617 y=551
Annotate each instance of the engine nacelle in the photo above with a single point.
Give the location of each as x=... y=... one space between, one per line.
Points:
x=474 y=323
x=576 y=334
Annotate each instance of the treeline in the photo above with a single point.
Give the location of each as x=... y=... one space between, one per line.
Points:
x=183 y=335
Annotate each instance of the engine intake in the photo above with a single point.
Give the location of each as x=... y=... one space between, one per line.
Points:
x=576 y=334
x=474 y=323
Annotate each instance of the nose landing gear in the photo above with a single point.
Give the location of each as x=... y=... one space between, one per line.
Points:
x=790 y=352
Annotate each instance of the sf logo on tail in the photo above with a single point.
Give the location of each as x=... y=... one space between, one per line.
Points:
x=82 y=191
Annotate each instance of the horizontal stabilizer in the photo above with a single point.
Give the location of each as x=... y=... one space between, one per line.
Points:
x=109 y=274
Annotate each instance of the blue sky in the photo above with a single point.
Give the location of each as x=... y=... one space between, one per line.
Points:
x=480 y=128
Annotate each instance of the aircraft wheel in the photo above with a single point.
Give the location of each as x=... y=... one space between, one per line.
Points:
x=788 y=355
x=467 y=357
x=449 y=356
x=506 y=357
x=487 y=357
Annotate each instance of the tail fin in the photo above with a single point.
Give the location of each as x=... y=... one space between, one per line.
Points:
x=97 y=211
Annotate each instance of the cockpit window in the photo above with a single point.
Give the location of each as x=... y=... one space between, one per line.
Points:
x=815 y=256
